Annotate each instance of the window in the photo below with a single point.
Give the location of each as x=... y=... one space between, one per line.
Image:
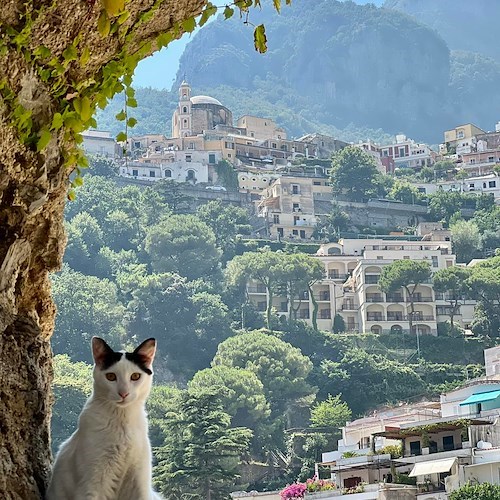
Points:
x=415 y=448
x=188 y=158
x=190 y=175
x=448 y=443
x=296 y=219
x=460 y=134
x=304 y=313
x=295 y=189
x=261 y=306
x=492 y=184
x=135 y=172
x=273 y=145
x=276 y=219
x=280 y=232
x=152 y=173
x=296 y=207
x=406 y=257
x=401 y=152
x=295 y=232
x=168 y=173
x=283 y=306
x=325 y=314
x=434 y=261
x=211 y=158
x=491 y=159
x=316 y=183
x=184 y=123
x=184 y=109
x=302 y=233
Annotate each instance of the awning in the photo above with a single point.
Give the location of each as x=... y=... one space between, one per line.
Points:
x=432 y=467
x=481 y=397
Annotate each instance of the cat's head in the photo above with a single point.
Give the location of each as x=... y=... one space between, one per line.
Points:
x=123 y=377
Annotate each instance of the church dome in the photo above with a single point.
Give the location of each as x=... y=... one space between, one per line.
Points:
x=205 y=99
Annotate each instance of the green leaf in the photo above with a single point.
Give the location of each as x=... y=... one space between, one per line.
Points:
x=130 y=92
x=207 y=13
x=123 y=17
x=43 y=139
x=103 y=24
x=189 y=25
x=131 y=102
x=71 y=195
x=228 y=12
x=42 y=52
x=69 y=53
x=113 y=7
x=121 y=115
x=131 y=122
x=260 y=39
x=121 y=137
x=57 y=121
x=277 y=5
x=164 y=39
x=78 y=181
x=84 y=58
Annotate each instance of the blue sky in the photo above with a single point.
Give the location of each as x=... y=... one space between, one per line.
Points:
x=160 y=69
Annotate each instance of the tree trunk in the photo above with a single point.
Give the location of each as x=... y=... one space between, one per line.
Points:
x=33 y=188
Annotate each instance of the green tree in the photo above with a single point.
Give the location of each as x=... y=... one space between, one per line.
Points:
x=242 y=396
x=102 y=166
x=451 y=282
x=298 y=275
x=171 y=193
x=182 y=244
x=405 y=192
x=353 y=172
x=442 y=167
x=483 y=491
x=72 y=386
x=332 y=225
x=332 y=412
x=484 y=287
x=226 y=221
x=87 y=306
x=201 y=452
x=281 y=368
x=265 y=267
x=227 y=175
x=407 y=274
x=466 y=240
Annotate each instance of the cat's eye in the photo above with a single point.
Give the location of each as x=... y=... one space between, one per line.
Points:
x=111 y=376
x=135 y=376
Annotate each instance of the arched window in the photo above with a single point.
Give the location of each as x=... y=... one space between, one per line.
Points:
x=168 y=173
x=190 y=175
x=184 y=109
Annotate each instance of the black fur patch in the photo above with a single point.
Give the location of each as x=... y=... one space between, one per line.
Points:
x=138 y=360
x=110 y=359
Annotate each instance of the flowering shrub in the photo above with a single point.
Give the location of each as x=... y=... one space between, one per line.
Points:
x=296 y=490
x=360 y=488
x=315 y=484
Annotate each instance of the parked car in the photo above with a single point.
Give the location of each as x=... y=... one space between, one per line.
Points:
x=216 y=188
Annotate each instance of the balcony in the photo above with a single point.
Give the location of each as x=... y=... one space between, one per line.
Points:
x=418 y=317
x=337 y=276
x=322 y=296
x=375 y=298
x=419 y=298
x=396 y=317
x=374 y=317
x=395 y=298
x=256 y=289
x=348 y=306
x=372 y=279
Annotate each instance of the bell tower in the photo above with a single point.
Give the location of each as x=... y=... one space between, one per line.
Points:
x=184 y=110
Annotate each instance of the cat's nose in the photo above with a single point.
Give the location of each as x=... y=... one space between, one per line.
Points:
x=123 y=394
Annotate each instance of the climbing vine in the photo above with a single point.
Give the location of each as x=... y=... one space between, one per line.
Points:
x=77 y=100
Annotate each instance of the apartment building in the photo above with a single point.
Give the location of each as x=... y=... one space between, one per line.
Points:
x=351 y=290
x=288 y=207
x=444 y=444
x=101 y=143
x=406 y=153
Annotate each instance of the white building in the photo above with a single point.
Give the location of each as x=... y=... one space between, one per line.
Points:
x=99 y=142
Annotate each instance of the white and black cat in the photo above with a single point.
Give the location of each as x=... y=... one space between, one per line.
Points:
x=109 y=456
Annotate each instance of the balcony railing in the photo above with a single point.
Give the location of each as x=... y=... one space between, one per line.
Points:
x=375 y=298
x=375 y=317
x=348 y=306
x=417 y=317
x=395 y=298
x=337 y=276
x=372 y=279
x=256 y=289
x=323 y=296
x=419 y=298
x=396 y=317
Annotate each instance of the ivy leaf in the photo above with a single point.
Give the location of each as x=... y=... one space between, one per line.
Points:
x=209 y=11
x=84 y=58
x=57 y=121
x=130 y=92
x=69 y=53
x=131 y=122
x=71 y=195
x=43 y=140
x=164 y=39
x=131 y=102
x=78 y=181
x=260 y=39
x=123 y=17
x=121 y=115
x=103 y=24
x=113 y=7
x=189 y=25
x=228 y=12
x=121 y=137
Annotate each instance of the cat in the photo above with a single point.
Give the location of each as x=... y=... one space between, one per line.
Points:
x=108 y=457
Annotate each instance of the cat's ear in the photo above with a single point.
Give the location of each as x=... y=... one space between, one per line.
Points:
x=100 y=351
x=146 y=352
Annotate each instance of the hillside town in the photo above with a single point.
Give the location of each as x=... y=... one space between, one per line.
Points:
x=421 y=450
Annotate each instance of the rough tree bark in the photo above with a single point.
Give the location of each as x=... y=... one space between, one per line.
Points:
x=33 y=190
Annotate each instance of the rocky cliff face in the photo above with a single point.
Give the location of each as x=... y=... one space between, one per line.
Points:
x=344 y=63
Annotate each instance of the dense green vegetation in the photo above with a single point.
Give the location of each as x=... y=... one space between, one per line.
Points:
x=138 y=266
